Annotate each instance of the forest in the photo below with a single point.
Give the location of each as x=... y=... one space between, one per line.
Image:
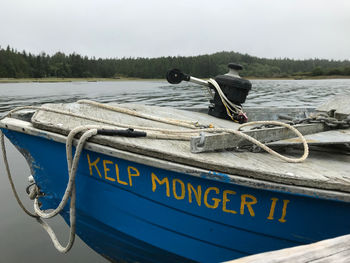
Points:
x=15 y=64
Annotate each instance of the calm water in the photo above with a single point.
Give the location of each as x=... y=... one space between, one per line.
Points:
x=21 y=238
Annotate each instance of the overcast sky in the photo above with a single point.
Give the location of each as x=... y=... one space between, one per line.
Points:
x=297 y=29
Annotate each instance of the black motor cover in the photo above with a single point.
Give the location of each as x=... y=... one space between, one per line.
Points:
x=235 y=89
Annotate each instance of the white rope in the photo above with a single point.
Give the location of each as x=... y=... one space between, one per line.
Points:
x=230 y=107
x=183 y=123
x=268 y=149
x=98 y=120
x=72 y=169
x=70 y=191
x=9 y=176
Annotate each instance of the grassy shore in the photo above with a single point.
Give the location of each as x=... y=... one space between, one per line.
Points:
x=52 y=80
x=324 y=77
x=301 y=77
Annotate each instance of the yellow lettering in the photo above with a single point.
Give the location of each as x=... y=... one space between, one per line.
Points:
x=272 y=209
x=117 y=174
x=165 y=181
x=94 y=164
x=249 y=204
x=284 y=211
x=134 y=173
x=225 y=200
x=197 y=193
x=216 y=200
x=182 y=196
x=106 y=169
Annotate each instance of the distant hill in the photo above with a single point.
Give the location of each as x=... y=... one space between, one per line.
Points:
x=14 y=64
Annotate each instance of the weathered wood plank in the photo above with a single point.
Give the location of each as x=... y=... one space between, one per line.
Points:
x=214 y=142
x=332 y=137
x=274 y=113
x=327 y=251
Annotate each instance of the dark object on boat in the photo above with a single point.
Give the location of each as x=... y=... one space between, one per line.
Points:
x=235 y=89
x=126 y=133
x=232 y=85
x=175 y=76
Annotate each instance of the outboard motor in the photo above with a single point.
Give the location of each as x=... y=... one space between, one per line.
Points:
x=227 y=98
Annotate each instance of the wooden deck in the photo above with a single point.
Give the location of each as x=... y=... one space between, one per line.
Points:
x=335 y=250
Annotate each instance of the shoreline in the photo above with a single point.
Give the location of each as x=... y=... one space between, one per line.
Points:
x=57 y=80
x=300 y=77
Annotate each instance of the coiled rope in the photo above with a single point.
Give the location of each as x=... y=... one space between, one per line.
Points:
x=91 y=130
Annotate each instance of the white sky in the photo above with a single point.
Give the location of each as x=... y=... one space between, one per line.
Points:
x=297 y=29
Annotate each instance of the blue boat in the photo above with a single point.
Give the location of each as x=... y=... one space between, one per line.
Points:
x=139 y=201
x=167 y=185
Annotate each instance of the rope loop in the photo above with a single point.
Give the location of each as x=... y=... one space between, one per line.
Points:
x=70 y=192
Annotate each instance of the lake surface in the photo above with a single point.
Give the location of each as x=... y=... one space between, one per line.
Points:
x=21 y=238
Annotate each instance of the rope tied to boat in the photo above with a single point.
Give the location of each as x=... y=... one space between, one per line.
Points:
x=70 y=191
x=32 y=191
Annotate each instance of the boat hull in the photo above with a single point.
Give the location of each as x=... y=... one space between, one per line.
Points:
x=136 y=212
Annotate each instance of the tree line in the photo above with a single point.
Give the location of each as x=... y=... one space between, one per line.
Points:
x=15 y=64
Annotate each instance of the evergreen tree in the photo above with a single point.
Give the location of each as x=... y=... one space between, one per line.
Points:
x=14 y=64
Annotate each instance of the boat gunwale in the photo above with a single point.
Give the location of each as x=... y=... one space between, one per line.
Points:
x=329 y=194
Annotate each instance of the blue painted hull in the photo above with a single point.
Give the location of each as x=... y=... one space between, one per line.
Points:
x=131 y=211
